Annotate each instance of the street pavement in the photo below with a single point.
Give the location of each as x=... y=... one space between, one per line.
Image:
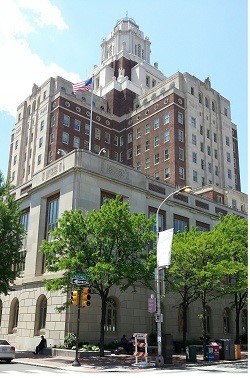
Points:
x=111 y=363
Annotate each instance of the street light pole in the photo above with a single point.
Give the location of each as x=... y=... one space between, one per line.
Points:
x=159 y=360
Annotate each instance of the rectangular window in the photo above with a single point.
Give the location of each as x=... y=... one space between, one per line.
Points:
x=86 y=145
x=215 y=154
x=156 y=159
x=147 y=81
x=229 y=173
x=193 y=122
x=16 y=144
x=195 y=176
x=147 y=128
x=200 y=98
x=166 y=173
x=181 y=173
x=147 y=163
x=40 y=142
x=228 y=157
x=181 y=154
x=216 y=170
x=166 y=118
x=209 y=150
x=194 y=157
x=215 y=137
x=14 y=160
x=180 y=136
x=202 y=164
x=201 y=226
x=65 y=138
x=206 y=102
x=180 y=117
x=138 y=166
x=121 y=140
x=227 y=141
x=130 y=137
x=50 y=156
x=106 y=137
x=138 y=132
x=156 y=123
x=76 y=142
x=121 y=157
x=116 y=156
x=66 y=120
x=25 y=223
x=129 y=154
x=39 y=159
x=156 y=140
x=77 y=125
x=213 y=106
x=41 y=125
x=192 y=90
x=202 y=147
x=225 y=111
x=138 y=149
x=51 y=138
x=97 y=134
x=87 y=128
x=208 y=134
x=116 y=140
x=52 y=216
x=166 y=136
x=180 y=223
x=201 y=129
x=166 y=154
x=194 y=139
x=147 y=145
x=209 y=167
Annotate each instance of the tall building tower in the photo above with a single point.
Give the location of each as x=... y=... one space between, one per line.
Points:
x=177 y=129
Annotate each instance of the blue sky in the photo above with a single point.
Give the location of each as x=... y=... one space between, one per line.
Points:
x=44 y=38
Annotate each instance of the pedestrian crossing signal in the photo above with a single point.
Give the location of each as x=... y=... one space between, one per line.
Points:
x=74 y=298
x=86 y=296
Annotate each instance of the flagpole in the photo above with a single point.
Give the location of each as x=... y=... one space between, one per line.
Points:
x=91 y=114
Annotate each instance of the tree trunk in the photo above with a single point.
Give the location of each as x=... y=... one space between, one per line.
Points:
x=204 y=327
x=102 y=325
x=184 y=332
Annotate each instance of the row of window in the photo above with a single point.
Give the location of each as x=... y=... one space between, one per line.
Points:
x=207 y=101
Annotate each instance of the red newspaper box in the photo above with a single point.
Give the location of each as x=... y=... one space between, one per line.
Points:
x=216 y=349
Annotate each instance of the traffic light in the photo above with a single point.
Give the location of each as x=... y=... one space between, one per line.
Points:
x=86 y=296
x=74 y=298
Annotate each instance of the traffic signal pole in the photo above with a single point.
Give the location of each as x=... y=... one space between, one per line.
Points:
x=76 y=361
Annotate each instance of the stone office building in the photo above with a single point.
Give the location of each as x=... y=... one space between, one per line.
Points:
x=149 y=134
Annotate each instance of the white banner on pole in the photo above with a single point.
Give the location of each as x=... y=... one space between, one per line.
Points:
x=164 y=247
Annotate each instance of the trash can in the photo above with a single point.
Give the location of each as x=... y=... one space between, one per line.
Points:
x=237 y=352
x=209 y=353
x=216 y=349
x=167 y=348
x=191 y=353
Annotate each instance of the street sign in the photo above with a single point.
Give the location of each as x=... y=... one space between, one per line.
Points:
x=80 y=279
x=78 y=282
x=158 y=318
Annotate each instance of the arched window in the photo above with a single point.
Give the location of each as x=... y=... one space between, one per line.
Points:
x=208 y=320
x=111 y=315
x=14 y=313
x=41 y=313
x=226 y=320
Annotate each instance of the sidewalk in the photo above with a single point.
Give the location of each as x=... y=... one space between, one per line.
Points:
x=108 y=363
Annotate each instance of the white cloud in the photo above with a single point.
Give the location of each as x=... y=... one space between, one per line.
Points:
x=20 y=67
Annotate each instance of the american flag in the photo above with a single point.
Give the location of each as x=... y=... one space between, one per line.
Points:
x=83 y=86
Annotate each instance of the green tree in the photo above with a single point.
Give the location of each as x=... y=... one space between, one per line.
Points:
x=179 y=276
x=109 y=245
x=232 y=234
x=11 y=236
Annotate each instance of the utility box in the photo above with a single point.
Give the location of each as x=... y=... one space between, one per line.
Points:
x=191 y=353
x=167 y=348
x=227 y=350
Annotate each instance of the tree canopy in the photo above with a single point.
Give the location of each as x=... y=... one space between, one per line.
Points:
x=11 y=237
x=111 y=245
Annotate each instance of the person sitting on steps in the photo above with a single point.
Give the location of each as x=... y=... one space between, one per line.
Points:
x=41 y=345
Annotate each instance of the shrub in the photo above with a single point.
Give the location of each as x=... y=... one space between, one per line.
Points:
x=70 y=341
